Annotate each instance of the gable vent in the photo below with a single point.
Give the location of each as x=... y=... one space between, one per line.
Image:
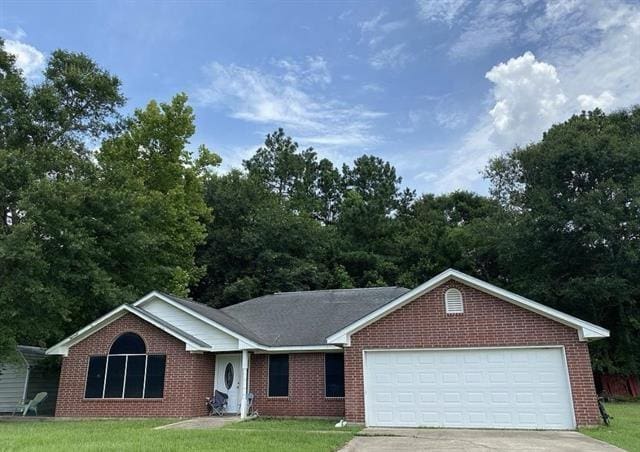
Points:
x=453 y=301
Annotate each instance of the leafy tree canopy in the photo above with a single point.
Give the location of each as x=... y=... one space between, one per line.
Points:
x=83 y=231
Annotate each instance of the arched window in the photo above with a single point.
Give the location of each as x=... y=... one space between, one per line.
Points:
x=128 y=344
x=127 y=372
x=453 y=301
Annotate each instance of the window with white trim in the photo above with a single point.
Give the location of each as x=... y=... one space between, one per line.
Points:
x=453 y=301
x=127 y=372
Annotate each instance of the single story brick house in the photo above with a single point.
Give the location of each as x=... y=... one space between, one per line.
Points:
x=452 y=352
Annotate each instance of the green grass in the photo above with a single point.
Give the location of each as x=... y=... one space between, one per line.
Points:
x=138 y=435
x=624 y=430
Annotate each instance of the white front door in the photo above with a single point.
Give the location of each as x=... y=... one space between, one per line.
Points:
x=477 y=388
x=228 y=374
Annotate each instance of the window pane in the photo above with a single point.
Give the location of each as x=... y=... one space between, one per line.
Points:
x=115 y=376
x=154 y=386
x=278 y=375
x=95 y=377
x=334 y=374
x=135 y=377
x=128 y=343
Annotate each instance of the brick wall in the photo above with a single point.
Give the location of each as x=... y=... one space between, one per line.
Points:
x=306 y=388
x=188 y=376
x=487 y=321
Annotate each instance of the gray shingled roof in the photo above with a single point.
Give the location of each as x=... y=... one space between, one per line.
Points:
x=308 y=318
x=296 y=318
x=217 y=316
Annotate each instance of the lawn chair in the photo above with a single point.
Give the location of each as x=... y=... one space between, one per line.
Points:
x=217 y=404
x=31 y=405
x=251 y=411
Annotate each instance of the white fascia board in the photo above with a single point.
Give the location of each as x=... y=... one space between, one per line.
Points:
x=242 y=340
x=62 y=347
x=300 y=349
x=585 y=329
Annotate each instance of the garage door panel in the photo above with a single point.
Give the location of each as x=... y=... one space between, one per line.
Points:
x=481 y=388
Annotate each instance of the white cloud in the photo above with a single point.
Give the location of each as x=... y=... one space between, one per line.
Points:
x=394 y=57
x=592 y=66
x=314 y=69
x=376 y=29
x=528 y=98
x=276 y=99
x=28 y=58
x=482 y=35
x=453 y=119
x=440 y=10
x=16 y=34
x=490 y=24
x=372 y=88
x=589 y=102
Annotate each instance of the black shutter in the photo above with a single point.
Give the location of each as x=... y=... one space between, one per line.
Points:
x=95 y=377
x=278 y=375
x=334 y=374
x=154 y=386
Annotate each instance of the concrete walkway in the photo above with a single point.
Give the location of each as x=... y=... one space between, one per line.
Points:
x=407 y=439
x=201 y=423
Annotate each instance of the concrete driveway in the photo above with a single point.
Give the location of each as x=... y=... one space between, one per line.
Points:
x=409 y=439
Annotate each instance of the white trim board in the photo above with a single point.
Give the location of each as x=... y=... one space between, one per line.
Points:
x=62 y=347
x=245 y=343
x=586 y=330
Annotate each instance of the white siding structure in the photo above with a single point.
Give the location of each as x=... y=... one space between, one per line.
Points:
x=217 y=339
x=23 y=379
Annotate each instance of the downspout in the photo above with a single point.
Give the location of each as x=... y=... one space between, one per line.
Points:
x=243 y=384
x=26 y=378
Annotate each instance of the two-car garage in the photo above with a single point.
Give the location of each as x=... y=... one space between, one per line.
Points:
x=507 y=387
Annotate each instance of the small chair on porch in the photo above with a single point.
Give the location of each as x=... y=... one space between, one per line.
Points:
x=218 y=403
x=251 y=411
x=31 y=405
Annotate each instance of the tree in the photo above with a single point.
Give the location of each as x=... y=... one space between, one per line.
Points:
x=150 y=181
x=258 y=244
x=84 y=231
x=308 y=186
x=448 y=231
x=44 y=171
x=573 y=238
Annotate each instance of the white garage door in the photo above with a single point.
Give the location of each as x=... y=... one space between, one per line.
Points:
x=477 y=388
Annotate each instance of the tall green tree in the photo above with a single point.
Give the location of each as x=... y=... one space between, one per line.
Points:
x=573 y=238
x=84 y=231
x=257 y=243
x=45 y=167
x=454 y=230
x=296 y=176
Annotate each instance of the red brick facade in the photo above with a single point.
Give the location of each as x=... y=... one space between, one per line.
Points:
x=487 y=321
x=306 y=388
x=188 y=376
x=423 y=323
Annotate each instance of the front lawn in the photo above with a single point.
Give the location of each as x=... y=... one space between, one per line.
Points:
x=117 y=435
x=624 y=430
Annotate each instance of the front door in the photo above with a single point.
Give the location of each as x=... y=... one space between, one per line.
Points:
x=228 y=372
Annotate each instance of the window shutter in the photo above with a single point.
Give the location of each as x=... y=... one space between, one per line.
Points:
x=453 y=301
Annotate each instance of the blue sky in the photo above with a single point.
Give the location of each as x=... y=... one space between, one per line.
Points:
x=436 y=87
